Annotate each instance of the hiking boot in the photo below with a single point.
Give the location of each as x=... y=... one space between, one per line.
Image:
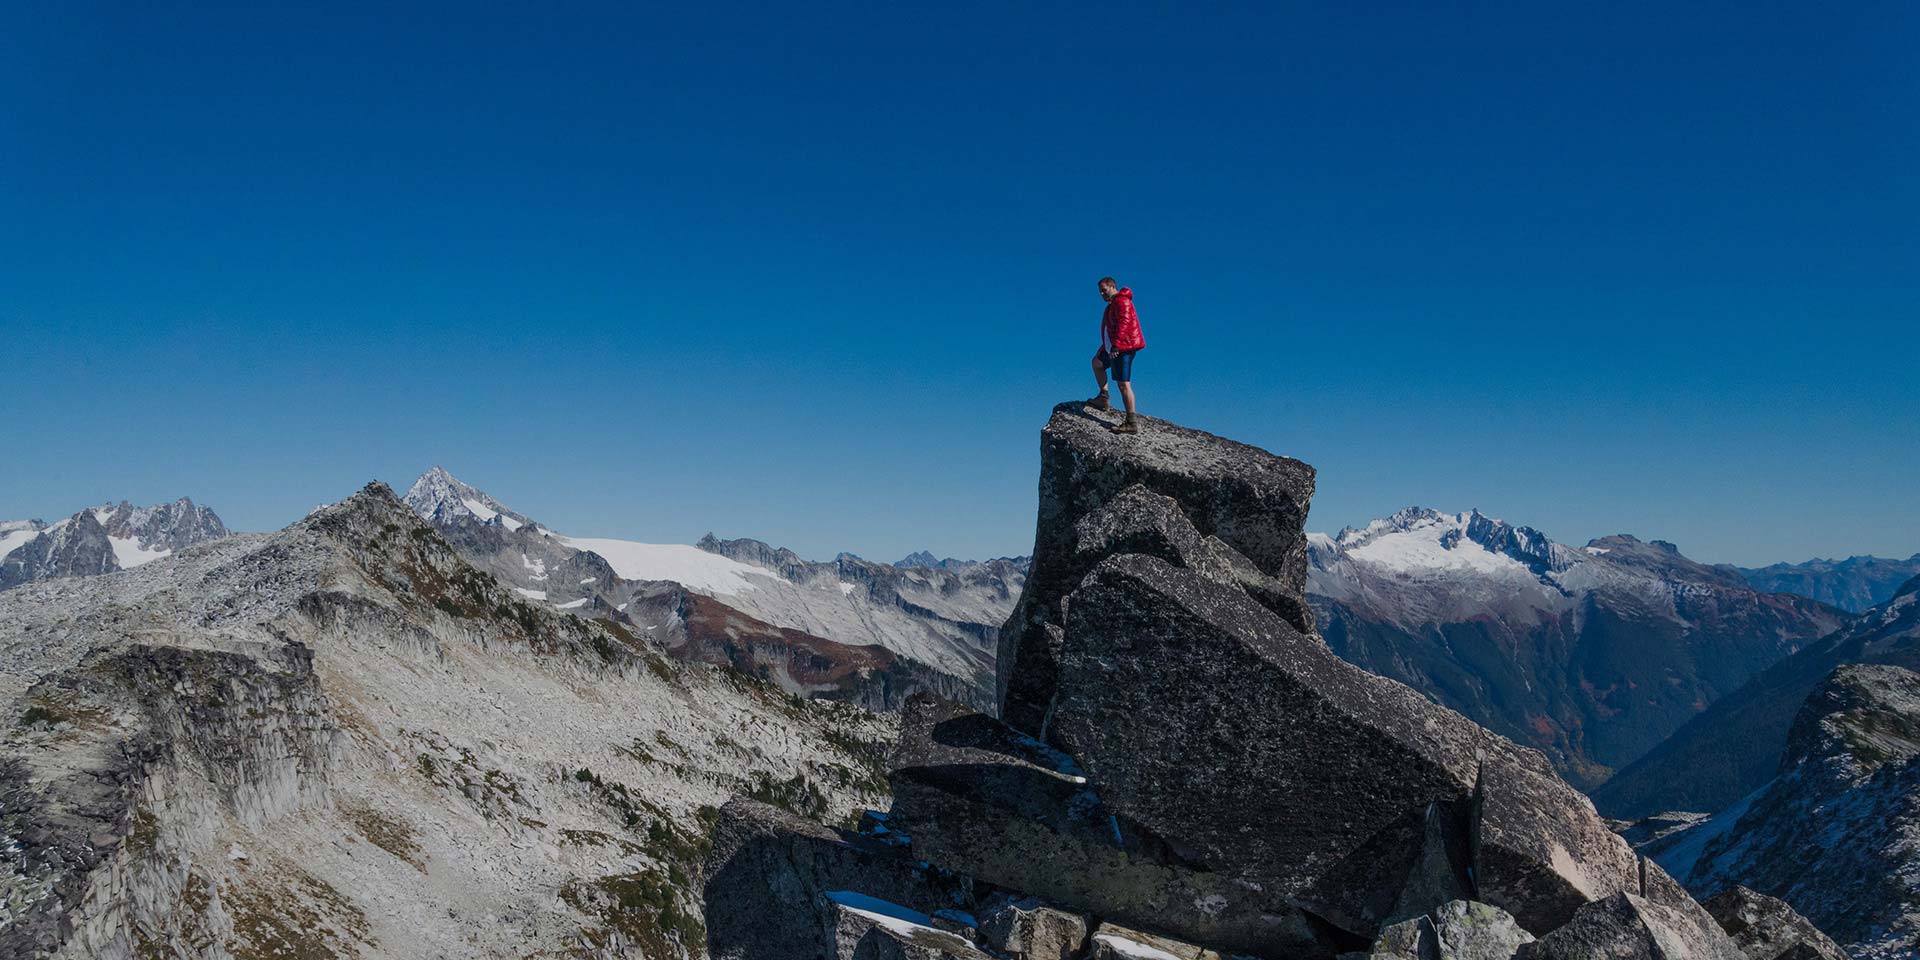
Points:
x=1129 y=425
x=1100 y=402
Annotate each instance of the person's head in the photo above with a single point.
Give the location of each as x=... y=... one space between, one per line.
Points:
x=1108 y=288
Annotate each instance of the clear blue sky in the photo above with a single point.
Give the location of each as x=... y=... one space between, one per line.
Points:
x=815 y=274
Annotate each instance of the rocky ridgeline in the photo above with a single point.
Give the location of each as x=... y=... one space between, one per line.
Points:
x=343 y=740
x=1183 y=769
x=1837 y=833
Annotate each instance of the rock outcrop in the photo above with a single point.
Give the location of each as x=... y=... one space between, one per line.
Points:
x=1250 y=500
x=1457 y=930
x=1765 y=928
x=1182 y=758
x=1624 y=925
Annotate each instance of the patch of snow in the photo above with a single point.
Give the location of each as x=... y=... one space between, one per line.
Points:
x=1679 y=859
x=686 y=565
x=531 y=594
x=103 y=514
x=128 y=552
x=588 y=580
x=846 y=589
x=537 y=567
x=1418 y=546
x=572 y=604
x=479 y=509
x=890 y=915
x=15 y=539
x=1596 y=551
x=622 y=608
x=1132 y=948
x=509 y=522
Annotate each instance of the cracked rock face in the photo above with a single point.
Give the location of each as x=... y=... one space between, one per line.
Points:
x=1625 y=926
x=975 y=795
x=1303 y=773
x=1252 y=501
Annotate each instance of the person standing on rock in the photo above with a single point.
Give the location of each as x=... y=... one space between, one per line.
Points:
x=1120 y=339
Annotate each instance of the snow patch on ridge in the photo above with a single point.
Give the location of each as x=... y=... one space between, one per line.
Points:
x=685 y=564
x=129 y=553
x=12 y=540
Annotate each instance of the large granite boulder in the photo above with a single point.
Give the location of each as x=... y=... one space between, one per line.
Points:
x=1627 y=927
x=974 y=795
x=1252 y=501
x=1766 y=928
x=1458 y=930
x=1027 y=928
x=1254 y=751
x=778 y=887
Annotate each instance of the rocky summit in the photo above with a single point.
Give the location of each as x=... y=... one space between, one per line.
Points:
x=1183 y=768
x=1242 y=500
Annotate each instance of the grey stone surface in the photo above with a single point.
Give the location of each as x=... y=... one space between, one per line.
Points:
x=856 y=934
x=976 y=796
x=1627 y=927
x=1112 y=941
x=770 y=872
x=1766 y=928
x=1466 y=930
x=1029 y=929
x=1304 y=774
x=1253 y=501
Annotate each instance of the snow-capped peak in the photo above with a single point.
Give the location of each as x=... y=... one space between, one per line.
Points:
x=438 y=496
x=1418 y=538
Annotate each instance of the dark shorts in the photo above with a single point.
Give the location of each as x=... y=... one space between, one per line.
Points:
x=1119 y=365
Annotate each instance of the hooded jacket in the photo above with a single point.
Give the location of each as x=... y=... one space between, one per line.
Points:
x=1120 y=326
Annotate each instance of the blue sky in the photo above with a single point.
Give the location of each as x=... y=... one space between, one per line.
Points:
x=815 y=274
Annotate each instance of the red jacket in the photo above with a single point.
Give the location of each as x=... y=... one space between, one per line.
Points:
x=1120 y=326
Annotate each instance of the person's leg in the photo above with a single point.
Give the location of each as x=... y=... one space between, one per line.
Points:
x=1122 y=369
x=1099 y=401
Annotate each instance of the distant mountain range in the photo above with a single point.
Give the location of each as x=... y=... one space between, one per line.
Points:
x=1853 y=584
x=848 y=629
x=101 y=539
x=1734 y=746
x=1592 y=654
x=1835 y=829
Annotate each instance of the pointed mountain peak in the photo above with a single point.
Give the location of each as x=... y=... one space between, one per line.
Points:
x=439 y=497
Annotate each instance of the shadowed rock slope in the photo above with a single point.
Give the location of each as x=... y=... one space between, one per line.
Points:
x=1187 y=770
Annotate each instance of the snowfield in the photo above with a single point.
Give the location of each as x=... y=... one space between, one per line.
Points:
x=681 y=563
